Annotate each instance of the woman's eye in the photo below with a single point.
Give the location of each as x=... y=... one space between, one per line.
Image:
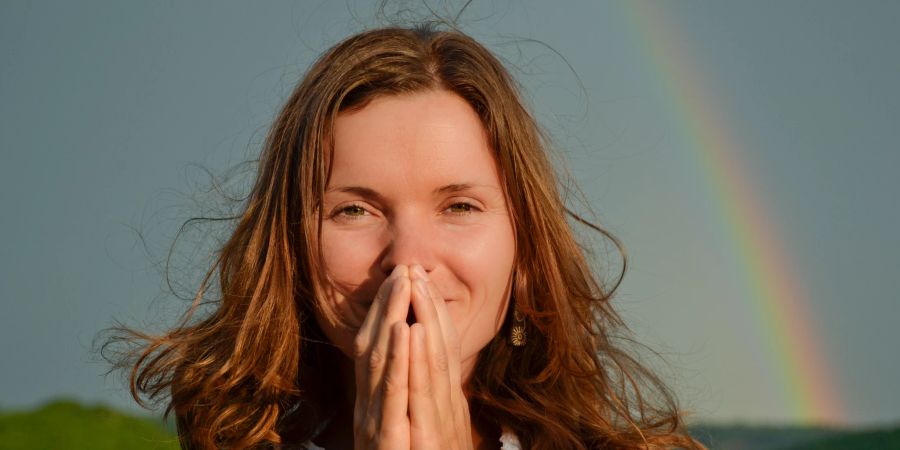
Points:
x=354 y=210
x=461 y=208
x=351 y=212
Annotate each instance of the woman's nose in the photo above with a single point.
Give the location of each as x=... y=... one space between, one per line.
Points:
x=409 y=241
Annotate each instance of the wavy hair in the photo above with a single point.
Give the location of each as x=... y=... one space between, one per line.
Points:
x=248 y=374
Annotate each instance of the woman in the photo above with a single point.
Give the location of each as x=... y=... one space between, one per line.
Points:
x=403 y=276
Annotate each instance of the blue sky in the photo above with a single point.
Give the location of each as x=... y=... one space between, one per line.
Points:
x=110 y=108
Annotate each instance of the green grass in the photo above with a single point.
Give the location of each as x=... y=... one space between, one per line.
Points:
x=888 y=439
x=65 y=424
x=742 y=437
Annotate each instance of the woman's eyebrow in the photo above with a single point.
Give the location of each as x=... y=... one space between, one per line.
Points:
x=458 y=187
x=361 y=191
x=463 y=187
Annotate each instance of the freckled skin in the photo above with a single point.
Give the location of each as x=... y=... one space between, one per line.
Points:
x=405 y=148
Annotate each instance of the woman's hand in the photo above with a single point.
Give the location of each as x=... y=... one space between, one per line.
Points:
x=408 y=378
x=381 y=351
x=438 y=410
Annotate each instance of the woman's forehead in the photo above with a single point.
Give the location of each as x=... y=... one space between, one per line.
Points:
x=427 y=138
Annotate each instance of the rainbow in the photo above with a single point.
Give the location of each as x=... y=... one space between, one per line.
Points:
x=779 y=306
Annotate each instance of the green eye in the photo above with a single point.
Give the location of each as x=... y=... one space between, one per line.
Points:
x=353 y=210
x=461 y=208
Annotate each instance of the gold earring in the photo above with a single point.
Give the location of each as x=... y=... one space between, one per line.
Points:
x=517 y=335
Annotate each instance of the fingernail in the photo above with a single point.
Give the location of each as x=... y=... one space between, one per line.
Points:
x=419 y=272
x=398 y=269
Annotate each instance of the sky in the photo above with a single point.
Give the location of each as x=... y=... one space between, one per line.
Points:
x=745 y=154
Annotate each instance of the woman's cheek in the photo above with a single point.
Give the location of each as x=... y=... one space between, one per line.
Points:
x=349 y=256
x=486 y=249
x=482 y=258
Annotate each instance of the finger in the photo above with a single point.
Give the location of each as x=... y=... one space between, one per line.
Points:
x=395 y=311
x=450 y=335
x=373 y=337
x=394 y=427
x=462 y=419
x=379 y=303
x=437 y=357
x=423 y=418
x=363 y=342
x=361 y=346
x=458 y=403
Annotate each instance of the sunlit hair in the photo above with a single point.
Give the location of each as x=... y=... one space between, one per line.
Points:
x=251 y=372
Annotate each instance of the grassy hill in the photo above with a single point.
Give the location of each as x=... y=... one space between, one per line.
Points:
x=888 y=439
x=64 y=424
x=740 y=437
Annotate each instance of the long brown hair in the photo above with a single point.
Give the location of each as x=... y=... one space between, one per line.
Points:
x=247 y=374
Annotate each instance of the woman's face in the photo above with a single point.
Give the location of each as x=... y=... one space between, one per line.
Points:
x=414 y=181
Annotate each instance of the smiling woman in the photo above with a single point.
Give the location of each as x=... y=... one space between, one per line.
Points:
x=414 y=183
x=403 y=277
